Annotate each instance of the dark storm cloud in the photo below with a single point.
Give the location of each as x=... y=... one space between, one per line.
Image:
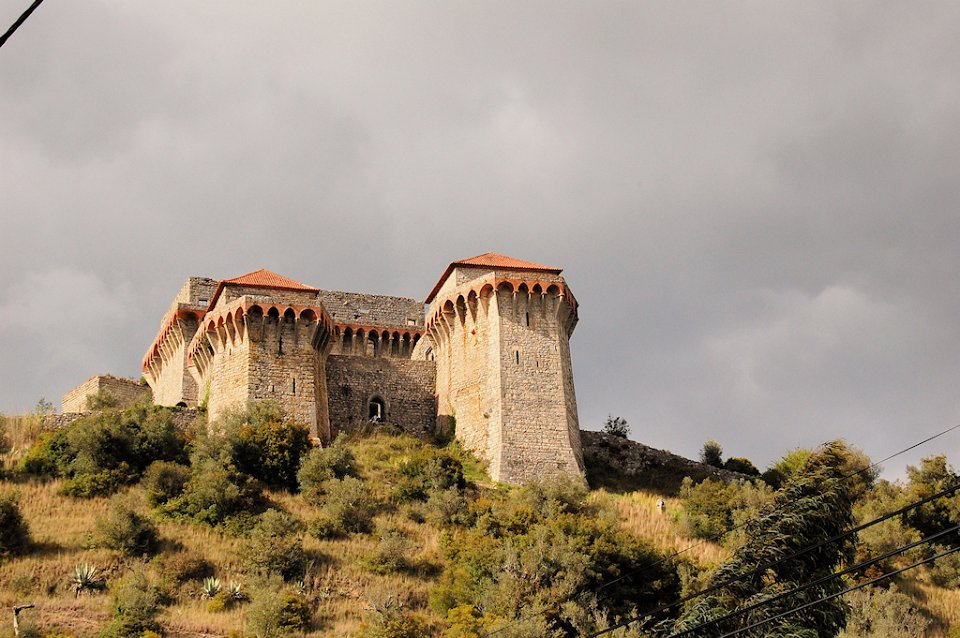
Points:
x=755 y=203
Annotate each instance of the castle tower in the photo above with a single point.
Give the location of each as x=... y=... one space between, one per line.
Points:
x=499 y=331
x=264 y=337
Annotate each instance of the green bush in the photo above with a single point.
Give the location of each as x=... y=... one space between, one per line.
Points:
x=214 y=494
x=536 y=548
x=348 y=507
x=274 y=613
x=260 y=441
x=394 y=622
x=14 y=533
x=177 y=569
x=876 y=612
x=712 y=453
x=135 y=604
x=275 y=547
x=741 y=465
x=125 y=530
x=617 y=426
x=391 y=553
x=320 y=465
x=164 y=481
x=429 y=470
x=446 y=507
x=99 y=453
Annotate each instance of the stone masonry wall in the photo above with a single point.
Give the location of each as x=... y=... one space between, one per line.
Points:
x=539 y=416
x=126 y=391
x=405 y=386
x=372 y=310
x=285 y=366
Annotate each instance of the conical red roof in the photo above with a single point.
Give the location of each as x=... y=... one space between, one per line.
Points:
x=492 y=260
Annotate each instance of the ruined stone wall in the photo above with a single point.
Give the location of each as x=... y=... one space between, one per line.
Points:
x=183 y=419
x=197 y=291
x=125 y=391
x=405 y=386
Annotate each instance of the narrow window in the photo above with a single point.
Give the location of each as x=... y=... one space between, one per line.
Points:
x=516 y=355
x=280 y=346
x=294 y=385
x=376 y=410
x=528 y=319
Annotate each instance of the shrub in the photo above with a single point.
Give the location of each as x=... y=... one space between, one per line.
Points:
x=274 y=613
x=177 y=569
x=712 y=453
x=617 y=426
x=429 y=470
x=390 y=553
x=320 y=465
x=164 y=481
x=393 y=622
x=126 y=531
x=275 y=546
x=447 y=507
x=101 y=452
x=259 y=441
x=348 y=507
x=14 y=532
x=883 y=612
x=215 y=493
x=741 y=465
x=135 y=606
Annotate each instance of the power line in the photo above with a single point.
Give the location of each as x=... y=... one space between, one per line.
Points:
x=772 y=563
x=841 y=593
x=16 y=25
x=819 y=581
x=692 y=546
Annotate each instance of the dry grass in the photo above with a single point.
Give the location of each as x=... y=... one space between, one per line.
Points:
x=639 y=514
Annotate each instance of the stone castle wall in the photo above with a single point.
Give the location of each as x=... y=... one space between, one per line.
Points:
x=405 y=386
x=539 y=418
x=125 y=391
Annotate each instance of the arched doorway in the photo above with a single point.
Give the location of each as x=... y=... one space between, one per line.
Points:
x=376 y=410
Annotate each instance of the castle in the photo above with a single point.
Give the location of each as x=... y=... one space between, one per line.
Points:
x=488 y=357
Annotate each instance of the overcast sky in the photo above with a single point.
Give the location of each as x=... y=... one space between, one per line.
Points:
x=756 y=203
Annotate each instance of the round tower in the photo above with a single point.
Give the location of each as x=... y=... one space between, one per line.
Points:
x=500 y=330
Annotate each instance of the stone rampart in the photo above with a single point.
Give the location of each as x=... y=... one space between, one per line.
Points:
x=125 y=391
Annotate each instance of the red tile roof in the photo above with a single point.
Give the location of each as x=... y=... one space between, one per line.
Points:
x=262 y=278
x=492 y=260
x=268 y=279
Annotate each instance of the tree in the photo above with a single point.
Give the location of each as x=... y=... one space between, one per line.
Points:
x=816 y=503
x=617 y=426
x=712 y=453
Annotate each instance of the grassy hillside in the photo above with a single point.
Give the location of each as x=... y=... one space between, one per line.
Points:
x=348 y=584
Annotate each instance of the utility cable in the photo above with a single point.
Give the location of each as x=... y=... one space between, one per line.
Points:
x=815 y=583
x=692 y=546
x=772 y=563
x=16 y=25
x=841 y=593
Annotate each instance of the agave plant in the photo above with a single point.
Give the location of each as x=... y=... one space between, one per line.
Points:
x=235 y=590
x=211 y=587
x=301 y=588
x=84 y=578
